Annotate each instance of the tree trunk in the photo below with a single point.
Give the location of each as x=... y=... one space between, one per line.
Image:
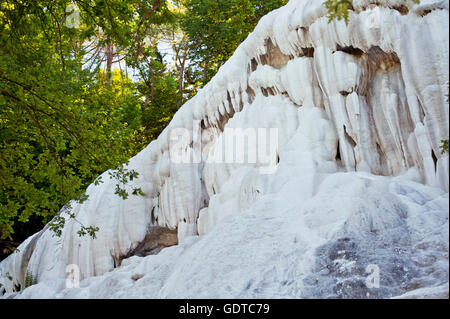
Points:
x=181 y=81
x=109 y=61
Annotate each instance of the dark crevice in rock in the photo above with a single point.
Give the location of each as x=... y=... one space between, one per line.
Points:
x=230 y=104
x=223 y=120
x=350 y=50
x=271 y=91
x=307 y=52
x=435 y=160
x=274 y=57
x=425 y=12
x=152 y=216
x=251 y=94
x=203 y=123
x=403 y=9
x=382 y=158
x=241 y=103
x=338 y=153
x=156 y=239
x=384 y=60
x=254 y=64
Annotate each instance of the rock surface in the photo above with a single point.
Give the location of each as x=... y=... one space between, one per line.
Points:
x=357 y=187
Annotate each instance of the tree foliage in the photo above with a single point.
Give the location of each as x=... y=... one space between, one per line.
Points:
x=216 y=28
x=63 y=120
x=339 y=9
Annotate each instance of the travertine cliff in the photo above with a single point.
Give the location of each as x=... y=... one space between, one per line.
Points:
x=356 y=175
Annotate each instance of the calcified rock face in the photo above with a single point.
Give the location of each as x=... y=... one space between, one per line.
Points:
x=360 y=182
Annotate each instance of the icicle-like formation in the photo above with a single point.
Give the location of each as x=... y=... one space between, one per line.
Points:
x=367 y=97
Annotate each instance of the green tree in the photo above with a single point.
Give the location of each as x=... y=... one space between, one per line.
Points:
x=216 y=28
x=63 y=121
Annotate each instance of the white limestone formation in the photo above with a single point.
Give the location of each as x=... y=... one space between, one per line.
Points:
x=360 y=112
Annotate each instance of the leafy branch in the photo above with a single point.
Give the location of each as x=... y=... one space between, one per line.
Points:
x=339 y=9
x=123 y=176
